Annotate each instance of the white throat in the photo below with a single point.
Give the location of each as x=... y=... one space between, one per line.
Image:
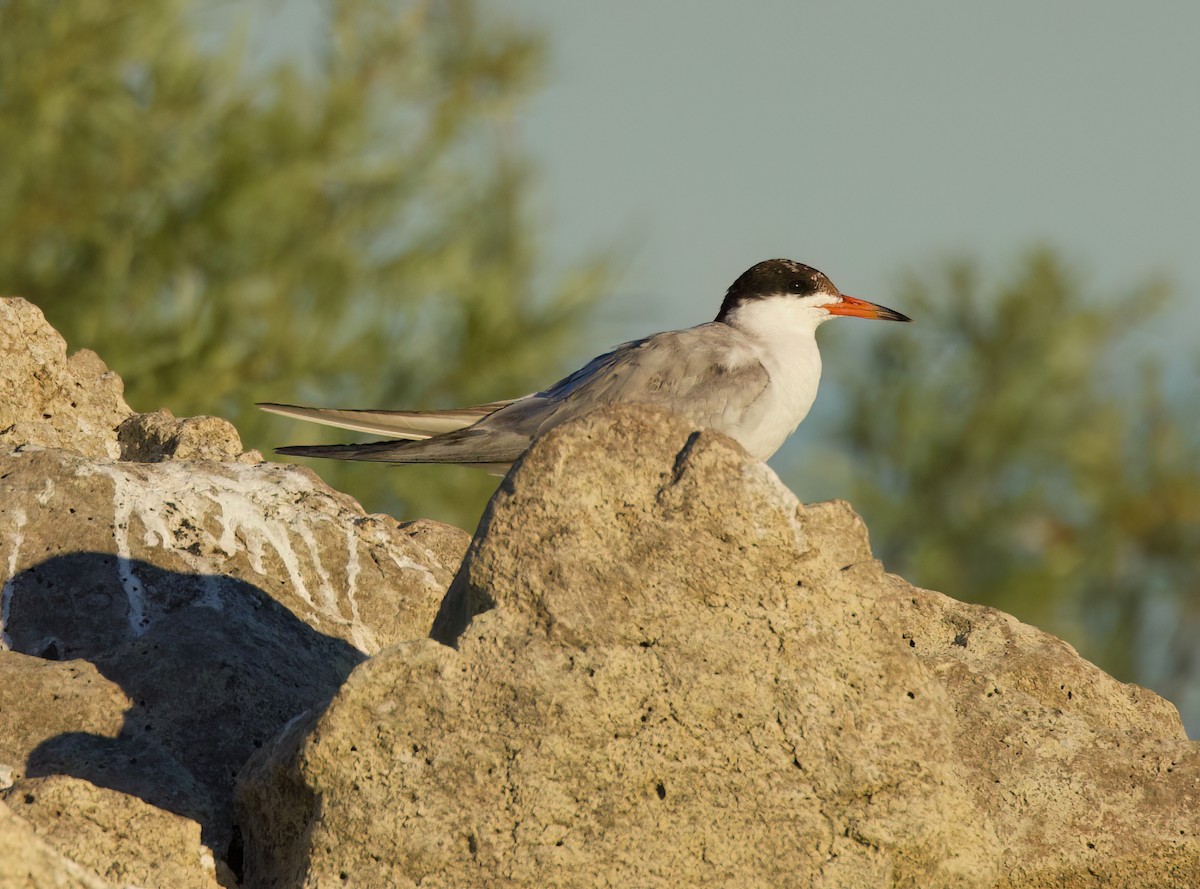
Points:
x=783 y=331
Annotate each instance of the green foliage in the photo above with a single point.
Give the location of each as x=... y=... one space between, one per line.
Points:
x=350 y=232
x=1000 y=459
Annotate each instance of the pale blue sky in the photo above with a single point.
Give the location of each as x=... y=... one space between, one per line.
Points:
x=864 y=137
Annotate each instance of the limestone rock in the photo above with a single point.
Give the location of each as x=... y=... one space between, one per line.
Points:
x=670 y=673
x=158 y=436
x=161 y=618
x=49 y=399
x=42 y=699
x=29 y=862
x=120 y=837
x=222 y=599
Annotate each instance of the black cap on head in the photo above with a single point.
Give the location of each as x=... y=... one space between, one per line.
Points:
x=772 y=277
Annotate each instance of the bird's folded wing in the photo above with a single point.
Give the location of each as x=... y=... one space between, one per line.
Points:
x=708 y=374
x=397 y=424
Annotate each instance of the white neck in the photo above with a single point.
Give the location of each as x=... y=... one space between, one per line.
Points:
x=779 y=317
x=783 y=331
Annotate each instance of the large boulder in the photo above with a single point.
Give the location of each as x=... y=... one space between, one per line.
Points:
x=665 y=671
x=165 y=614
x=655 y=667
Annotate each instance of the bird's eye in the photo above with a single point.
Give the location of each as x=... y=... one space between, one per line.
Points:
x=797 y=287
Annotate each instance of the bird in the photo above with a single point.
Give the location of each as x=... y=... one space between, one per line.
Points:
x=752 y=373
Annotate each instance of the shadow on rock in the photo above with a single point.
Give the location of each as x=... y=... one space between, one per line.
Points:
x=213 y=674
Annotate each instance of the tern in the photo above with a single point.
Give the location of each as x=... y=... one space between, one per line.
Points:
x=751 y=374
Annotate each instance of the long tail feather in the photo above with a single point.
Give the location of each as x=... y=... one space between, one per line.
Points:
x=411 y=425
x=463 y=446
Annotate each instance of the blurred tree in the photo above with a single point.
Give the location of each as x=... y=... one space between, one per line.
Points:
x=999 y=459
x=349 y=232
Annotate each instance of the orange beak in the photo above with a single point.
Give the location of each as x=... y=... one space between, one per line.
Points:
x=860 y=308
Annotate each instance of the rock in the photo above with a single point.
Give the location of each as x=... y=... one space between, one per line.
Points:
x=222 y=599
x=161 y=619
x=29 y=862
x=49 y=399
x=670 y=673
x=158 y=436
x=665 y=671
x=120 y=837
x=41 y=699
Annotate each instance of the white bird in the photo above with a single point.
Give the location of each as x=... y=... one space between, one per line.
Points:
x=751 y=374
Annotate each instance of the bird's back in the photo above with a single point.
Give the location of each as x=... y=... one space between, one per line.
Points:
x=709 y=374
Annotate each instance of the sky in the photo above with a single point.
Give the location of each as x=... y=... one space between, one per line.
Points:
x=866 y=139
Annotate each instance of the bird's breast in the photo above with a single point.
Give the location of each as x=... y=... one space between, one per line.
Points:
x=795 y=375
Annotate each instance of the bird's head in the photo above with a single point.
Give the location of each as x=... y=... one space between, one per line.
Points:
x=779 y=286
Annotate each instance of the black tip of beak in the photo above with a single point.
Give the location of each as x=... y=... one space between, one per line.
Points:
x=892 y=315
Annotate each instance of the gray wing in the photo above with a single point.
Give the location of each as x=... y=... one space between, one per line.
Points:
x=708 y=374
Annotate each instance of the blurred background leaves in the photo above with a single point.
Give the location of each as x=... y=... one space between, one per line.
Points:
x=351 y=232
x=350 y=226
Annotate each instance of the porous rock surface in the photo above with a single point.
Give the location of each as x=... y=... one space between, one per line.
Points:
x=668 y=672
x=655 y=668
x=119 y=836
x=28 y=861
x=163 y=615
x=159 y=435
x=50 y=399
